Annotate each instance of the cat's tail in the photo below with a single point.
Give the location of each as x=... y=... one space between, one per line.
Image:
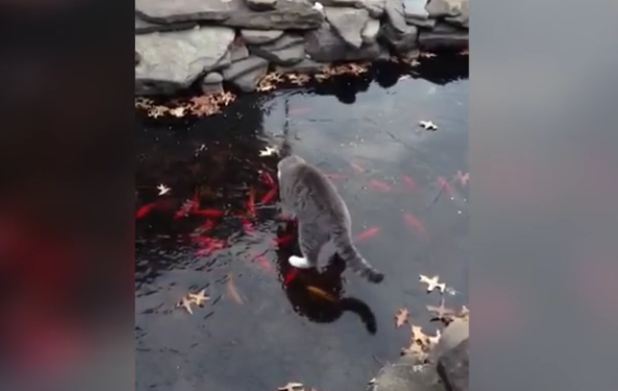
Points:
x=348 y=252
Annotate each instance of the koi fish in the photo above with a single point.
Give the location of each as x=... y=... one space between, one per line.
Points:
x=266 y=178
x=265 y=264
x=268 y=197
x=208 y=213
x=208 y=245
x=232 y=291
x=408 y=182
x=443 y=183
x=145 y=210
x=379 y=185
x=366 y=234
x=322 y=294
x=357 y=167
x=413 y=222
x=251 y=203
x=187 y=207
x=291 y=276
x=283 y=241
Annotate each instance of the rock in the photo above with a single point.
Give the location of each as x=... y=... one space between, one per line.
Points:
x=348 y=23
x=262 y=5
x=238 y=50
x=144 y=27
x=287 y=50
x=395 y=16
x=370 y=32
x=463 y=19
x=325 y=45
x=453 y=367
x=259 y=37
x=443 y=38
x=246 y=74
x=455 y=333
x=402 y=43
x=375 y=7
x=306 y=66
x=172 y=61
x=456 y=12
x=212 y=83
x=404 y=375
x=416 y=14
x=288 y=14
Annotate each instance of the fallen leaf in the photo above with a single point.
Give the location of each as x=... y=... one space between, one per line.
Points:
x=428 y=125
x=186 y=303
x=418 y=336
x=401 y=317
x=292 y=386
x=199 y=298
x=433 y=340
x=441 y=313
x=432 y=283
x=269 y=151
x=462 y=178
x=178 y=112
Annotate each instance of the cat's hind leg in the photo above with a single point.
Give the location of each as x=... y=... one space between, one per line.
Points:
x=311 y=239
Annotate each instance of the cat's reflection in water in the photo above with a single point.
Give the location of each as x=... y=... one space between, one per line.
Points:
x=317 y=293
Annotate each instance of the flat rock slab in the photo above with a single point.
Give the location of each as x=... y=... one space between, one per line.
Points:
x=174 y=60
x=456 y=12
x=374 y=7
x=262 y=5
x=404 y=375
x=246 y=74
x=287 y=50
x=416 y=14
x=369 y=34
x=306 y=66
x=259 y=37
x=454 y=367
x=288 y=14
x=348 y=22
x=443 y=37
x=325 y=45
x=144 y=27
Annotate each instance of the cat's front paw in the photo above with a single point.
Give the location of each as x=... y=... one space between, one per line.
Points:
x=299 y=262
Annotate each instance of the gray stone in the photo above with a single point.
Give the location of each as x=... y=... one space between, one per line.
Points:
x=348 y=22
x=463 y=19
x=144 y=27
x=455 y=333
x=262 y=5
x=375 y=7
x=288 y=14
x=212 y=83
x=395 y=16
x=172 y=61
x=246 y=74
x=456 y=12
x=238 y=50
x=400 y=42
x=287 y=50
x=325 y=45
x=259 y=37
x=306 y=66
x=453 y=367
x=416 y=14
x=369 y=34
x=404 y=375
x=443 y=37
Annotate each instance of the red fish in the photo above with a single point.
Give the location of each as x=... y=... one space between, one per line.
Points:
x=379 y=185
x=208 y=213
x=266 y=178
x=208 y=245
x=247 y=226
x=357 y=168
x=366 y=234
x=414 y=222
x=251 y=203
x=291 y=276
x=283 y=241
x=145 y=210
x=443 y=183
x=209 y=225
x=265 y=264
x=187 y=207
x=268 y=197
x=408 y=182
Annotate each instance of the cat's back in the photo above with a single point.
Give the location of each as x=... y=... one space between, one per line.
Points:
x=322 y=191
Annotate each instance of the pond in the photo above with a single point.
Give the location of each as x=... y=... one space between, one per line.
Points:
x=262 y=327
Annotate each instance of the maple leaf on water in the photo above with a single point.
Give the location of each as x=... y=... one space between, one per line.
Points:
x=269 y=151
x=178 y=112
x=163 y=189
x=292 y=386
x=427 y=55
x=401 y=317
x=428 y=125
x=432 y=283
x=199 y=298
x=157 y=111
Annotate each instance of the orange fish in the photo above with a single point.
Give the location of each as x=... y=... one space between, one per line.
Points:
x=266 y=178
x=251 y=203
x=265 y=263
x=283 y=241
x=208 y=245
x=268 y=197
x=379 y=185
x=366 y=234
x=408 y=182
x=145 y=210
x=412 y=221
x=187 y=207
x=208 y=213
x=291 y=276
x=321 y=293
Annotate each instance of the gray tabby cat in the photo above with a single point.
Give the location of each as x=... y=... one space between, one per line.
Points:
x=322 y=216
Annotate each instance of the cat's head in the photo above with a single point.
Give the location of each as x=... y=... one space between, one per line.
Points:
x=287 y=163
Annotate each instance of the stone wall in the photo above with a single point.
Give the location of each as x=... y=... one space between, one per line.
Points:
x=183 y=42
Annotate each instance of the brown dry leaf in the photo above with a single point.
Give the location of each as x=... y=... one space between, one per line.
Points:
x=178 y=112
x=143 y=103
x=186 y=303
x=298 y=79
x=418 y=336
x=203 y=106
x=401 y=317
x=157 y=111
x=199 y=298
x=232 y=291
x=427 y=55
x=432 y=283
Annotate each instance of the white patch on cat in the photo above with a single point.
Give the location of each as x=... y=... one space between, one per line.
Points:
x=299 y=262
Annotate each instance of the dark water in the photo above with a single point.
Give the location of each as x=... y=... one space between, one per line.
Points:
x=387 y=170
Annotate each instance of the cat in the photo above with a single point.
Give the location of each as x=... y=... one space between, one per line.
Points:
x=307 y=194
